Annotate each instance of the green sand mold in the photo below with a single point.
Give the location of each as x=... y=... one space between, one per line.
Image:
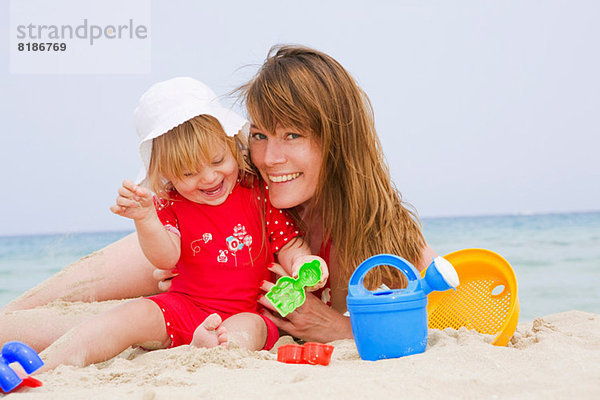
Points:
x=288 y=293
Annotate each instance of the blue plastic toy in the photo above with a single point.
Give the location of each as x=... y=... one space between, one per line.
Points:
x=393 y=323
x=22 y=354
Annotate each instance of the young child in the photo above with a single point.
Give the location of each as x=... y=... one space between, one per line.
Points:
x=211 y=218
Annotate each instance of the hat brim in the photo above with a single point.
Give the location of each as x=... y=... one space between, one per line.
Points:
x=230 y=121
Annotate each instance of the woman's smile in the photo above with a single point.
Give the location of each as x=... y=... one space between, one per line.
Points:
x=282 y=178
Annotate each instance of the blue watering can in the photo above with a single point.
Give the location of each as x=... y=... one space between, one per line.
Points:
x=24 y=355
x=393 y=323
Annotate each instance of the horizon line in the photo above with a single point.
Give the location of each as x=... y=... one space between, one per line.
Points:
x=509 y=214
x=421 y=217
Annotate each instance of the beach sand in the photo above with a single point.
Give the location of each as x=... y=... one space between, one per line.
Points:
x=553 y=357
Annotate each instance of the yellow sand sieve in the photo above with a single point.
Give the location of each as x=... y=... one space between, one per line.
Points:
x=486 y=299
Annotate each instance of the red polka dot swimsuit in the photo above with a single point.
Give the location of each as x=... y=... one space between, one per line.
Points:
x=225 y=252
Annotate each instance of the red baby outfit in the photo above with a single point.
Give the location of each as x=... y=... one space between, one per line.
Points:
x=224 y=258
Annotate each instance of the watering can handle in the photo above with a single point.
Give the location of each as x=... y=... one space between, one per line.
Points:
x=356 y=287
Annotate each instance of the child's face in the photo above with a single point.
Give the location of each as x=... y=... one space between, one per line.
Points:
x=210 y=183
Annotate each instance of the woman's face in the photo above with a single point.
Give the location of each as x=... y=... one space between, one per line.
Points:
x=289 y=160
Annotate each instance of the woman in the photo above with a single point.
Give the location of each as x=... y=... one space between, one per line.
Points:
x=314 y=142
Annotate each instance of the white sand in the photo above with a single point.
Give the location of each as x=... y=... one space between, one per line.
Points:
x=554 y=357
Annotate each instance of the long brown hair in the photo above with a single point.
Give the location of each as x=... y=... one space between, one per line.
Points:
x=360 y=208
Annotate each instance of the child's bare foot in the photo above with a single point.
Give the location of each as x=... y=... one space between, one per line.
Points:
x=210 y=333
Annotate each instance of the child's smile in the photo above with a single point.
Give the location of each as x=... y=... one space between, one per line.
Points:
x=210 y=183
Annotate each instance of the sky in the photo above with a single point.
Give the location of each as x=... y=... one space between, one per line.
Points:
x=482 y=107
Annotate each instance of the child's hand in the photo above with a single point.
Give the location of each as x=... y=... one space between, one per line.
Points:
x=133 y=202
x=299 y=261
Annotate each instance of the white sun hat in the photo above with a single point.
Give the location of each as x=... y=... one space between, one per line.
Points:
x=169 y=104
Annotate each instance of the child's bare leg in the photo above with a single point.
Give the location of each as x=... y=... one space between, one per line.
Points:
x=40 y=327
x=105 y=336
x=210 y=333
x=246 y=330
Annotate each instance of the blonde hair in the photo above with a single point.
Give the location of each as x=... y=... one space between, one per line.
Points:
x=360 y=208
x=186 y=147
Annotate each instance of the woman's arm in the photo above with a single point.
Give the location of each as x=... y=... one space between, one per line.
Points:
x=313 y=321
x=427 y=256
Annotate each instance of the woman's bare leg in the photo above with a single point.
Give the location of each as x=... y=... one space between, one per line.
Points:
x=118 y=271
x=136 y=322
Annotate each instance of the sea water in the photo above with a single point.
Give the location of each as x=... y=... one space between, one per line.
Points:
x=556 y=257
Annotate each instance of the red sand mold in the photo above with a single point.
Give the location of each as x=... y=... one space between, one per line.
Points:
x=311 y=353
